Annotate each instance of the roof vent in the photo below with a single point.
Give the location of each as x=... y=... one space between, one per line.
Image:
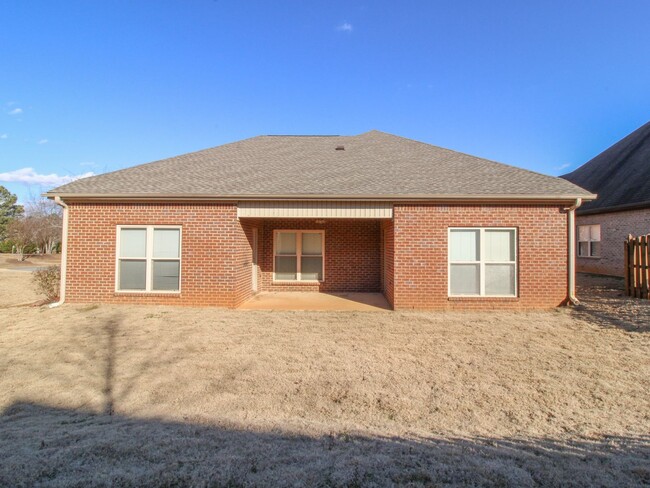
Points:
x=340 y=148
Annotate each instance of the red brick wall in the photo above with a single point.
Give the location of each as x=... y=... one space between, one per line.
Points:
x=409 y=264
x=244 y=255
x=614 y=228
x=215 y=254
x=352 y=254
x=420 y=254
x=388 y=256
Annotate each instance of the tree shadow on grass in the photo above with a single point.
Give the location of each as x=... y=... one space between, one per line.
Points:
x=95 y=354
x=43 y=445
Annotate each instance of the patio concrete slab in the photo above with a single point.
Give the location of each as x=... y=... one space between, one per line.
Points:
x=317 y=301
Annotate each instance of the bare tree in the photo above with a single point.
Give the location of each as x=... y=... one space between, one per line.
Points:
x=40 y=227
x=48 y=233
x=37 y=205
x=47 y=221
x=22 y=233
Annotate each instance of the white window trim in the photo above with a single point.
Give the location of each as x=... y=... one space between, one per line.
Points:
x=482 y=262
x=148 y=259
x=298 y=233
x=589 y=241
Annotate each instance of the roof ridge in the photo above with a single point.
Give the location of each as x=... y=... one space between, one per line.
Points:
x=302 y=135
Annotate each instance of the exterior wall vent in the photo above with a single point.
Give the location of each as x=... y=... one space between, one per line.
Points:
x=340 y=148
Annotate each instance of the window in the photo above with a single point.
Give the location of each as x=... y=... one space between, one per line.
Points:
x=589 y=241
x=482 y=262
x=148 y=258
x=298 y=255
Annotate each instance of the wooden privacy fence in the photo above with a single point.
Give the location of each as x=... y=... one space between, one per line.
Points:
x=637 y=262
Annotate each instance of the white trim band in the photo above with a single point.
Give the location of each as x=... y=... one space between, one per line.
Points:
x=315 y=210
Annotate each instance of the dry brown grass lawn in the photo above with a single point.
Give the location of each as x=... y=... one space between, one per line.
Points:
x=9 y=261
x=130 y=396
x=15 y=289
x=15 y=286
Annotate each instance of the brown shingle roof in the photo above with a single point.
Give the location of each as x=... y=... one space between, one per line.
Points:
x=620 y=175
x=370 y=164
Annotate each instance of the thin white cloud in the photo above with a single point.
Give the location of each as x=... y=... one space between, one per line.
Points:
x=345 y=27
x=4 y=136
x=16 y=111
x=43 y=141
x=563 y=166
x=88 y=163
x=30 y=177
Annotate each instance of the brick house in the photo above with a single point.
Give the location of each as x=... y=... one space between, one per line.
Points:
x=428 y=227
x=621 y=177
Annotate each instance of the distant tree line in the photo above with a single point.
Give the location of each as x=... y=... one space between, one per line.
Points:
x=31 y=229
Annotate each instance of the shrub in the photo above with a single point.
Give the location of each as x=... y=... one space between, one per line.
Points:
x=48 y=281
x=9 y=246
x=6 y=246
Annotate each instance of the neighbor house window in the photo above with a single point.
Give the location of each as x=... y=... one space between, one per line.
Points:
x=298 y=255
x=148 y=258
x=482 y=262
x=589 y=241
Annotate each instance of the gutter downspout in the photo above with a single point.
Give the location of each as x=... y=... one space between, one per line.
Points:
x=64 y=251
x=572 y=251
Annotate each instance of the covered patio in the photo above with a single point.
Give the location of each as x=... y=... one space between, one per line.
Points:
x=319 y=255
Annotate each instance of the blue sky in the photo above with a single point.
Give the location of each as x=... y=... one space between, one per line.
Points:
x=98 y=86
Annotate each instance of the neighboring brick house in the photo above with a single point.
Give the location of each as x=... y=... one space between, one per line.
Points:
x=429 y=227
x=621 y=178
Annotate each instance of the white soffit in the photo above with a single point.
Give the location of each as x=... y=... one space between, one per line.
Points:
x=320 y=210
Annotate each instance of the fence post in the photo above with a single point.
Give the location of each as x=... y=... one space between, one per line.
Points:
x=626 y=273
x=637 y=268
x=644 y=267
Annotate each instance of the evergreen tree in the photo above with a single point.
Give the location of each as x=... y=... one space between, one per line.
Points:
x=9 y=210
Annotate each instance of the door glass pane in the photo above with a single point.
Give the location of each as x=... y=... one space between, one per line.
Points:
x=166 y=243
x=463 y=245
x=499 y=245
x=286 y=268
x=464 y=279
x=312 y=244
x=165 y=275
x=133 y=243
x=500 y=279
x=311 y=268
x=132 y=275
x=286 y=243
